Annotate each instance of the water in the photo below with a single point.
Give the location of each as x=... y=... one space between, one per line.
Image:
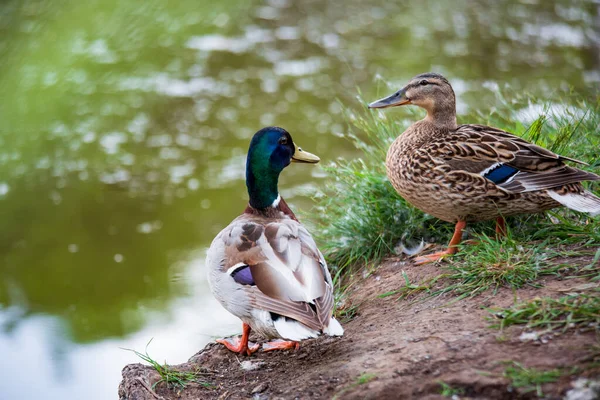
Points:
x=123 y=132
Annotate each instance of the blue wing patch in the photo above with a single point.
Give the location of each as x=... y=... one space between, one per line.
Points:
x=243 y=276
x=500 y=173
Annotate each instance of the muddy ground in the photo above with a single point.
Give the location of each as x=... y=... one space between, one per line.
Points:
x=393 y=349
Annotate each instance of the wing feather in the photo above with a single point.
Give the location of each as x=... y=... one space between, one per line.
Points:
x=479 y=149
x=289 y=272
x=300 y=311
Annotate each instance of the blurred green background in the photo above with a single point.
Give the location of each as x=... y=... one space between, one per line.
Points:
x=123 y=132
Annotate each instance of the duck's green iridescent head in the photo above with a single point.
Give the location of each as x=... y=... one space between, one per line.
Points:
x=271 y=150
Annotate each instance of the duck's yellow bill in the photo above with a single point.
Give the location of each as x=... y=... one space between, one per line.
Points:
x=304 y=156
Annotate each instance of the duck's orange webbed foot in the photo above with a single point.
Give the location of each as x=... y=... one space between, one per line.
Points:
x=429 y=258
x=280 y=345
x=452 y=249
x=240 y=345
x=236 y=345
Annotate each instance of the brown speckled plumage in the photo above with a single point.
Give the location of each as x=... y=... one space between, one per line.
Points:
x=475 y=172
x=416 y=165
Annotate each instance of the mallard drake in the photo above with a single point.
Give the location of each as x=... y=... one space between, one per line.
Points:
x=465 y=173
x=265 y=267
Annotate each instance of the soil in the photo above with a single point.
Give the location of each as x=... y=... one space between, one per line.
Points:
x=393 y=349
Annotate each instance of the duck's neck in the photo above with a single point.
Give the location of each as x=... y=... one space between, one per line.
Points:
x=262 y=189
x=274 y=211
x=261 y=181
x=443 y=113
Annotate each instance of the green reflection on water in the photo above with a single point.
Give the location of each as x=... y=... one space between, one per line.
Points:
x=124 y=125
x=102 y=183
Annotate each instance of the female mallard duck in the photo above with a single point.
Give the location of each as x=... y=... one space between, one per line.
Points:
x=265 y=267
x=464 y=173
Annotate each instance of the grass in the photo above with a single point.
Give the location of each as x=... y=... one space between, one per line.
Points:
x=592 y=270
x=448 y=391
x=411 y=289
x=487 y=264
x=529 y=379
x=346 y=315
x=363 y=378
x=169 y=375
x=568 y=312
x=361 y=219
x=490 y=264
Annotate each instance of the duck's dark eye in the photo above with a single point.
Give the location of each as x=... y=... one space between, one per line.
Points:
x=424 y=82
x=283 y=141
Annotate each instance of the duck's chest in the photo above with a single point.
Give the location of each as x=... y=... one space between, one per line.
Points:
x=418 y=178
x=409 y=167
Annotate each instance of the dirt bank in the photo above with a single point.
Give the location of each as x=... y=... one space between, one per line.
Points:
x=394 y=349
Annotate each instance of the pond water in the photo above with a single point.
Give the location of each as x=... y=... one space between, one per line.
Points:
x=123 y=132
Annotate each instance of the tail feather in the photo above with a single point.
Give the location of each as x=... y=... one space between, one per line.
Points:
x=291 y=329
x=583 y=202
x=334 y=328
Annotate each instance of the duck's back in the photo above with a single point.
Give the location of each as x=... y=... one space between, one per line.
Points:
x=439 y=171
x=268 y=270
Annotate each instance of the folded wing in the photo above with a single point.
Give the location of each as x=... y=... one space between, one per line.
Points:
x=279 y=265
x=511 y=163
